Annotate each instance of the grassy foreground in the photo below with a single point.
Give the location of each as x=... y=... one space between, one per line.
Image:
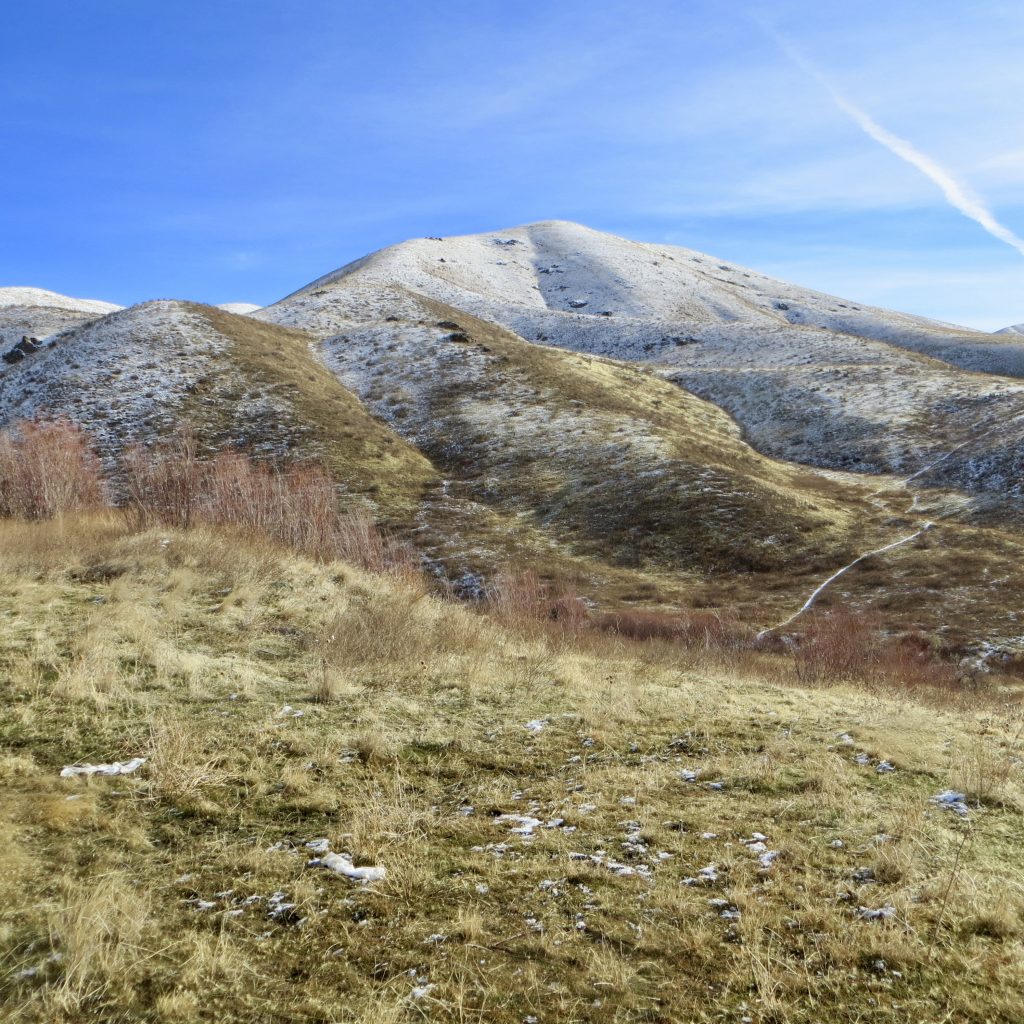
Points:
x=546 y=859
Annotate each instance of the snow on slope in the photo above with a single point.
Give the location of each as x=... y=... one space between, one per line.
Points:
x=37 y=313
x=122 y=376
x=53 y=300
x=240 y=308
x=1015 y=329
x=609 y=456
x=809 y=377
x=591 y=291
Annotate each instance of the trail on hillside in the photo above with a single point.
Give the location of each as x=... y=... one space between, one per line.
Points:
x=821 y=588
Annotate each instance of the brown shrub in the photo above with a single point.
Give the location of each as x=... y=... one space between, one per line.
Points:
x=842 y=646
x=522 y=599
x=836 y=647
x=47 y=468
x=297 y=506
x=718 y=629
x=161 y=487
x=906 y=664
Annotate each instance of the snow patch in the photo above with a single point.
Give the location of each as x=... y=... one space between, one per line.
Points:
x=115 y=768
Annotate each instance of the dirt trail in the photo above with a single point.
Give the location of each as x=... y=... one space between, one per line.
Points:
x=821 y=588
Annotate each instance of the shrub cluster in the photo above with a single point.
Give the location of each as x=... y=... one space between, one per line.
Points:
x=843 y=646
x=46 y=470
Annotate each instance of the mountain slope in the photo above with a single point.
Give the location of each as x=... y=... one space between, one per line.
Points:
x=580 y=465
x=809 y=377
x=134 y=375
x=37 y=313
x=574 y=275
x=634 y=469
x=636 y=420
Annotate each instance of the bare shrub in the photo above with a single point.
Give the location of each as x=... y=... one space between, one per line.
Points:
x=161 y=487
x=358 y=540
x=711 y=630
x=836 y=647
x=566 y=609
x=517 y=597
x=903 y=662
x=47 y=468
x=842 y=646
x=297 y=506
x=523 y=600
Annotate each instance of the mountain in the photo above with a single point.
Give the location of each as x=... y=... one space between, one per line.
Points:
x=1015 y=329
x=809 y=377
x=618 y=296
x=655 y=426
x=39 y=298
x=242 y=308
x=136 y=374
x=37 y=313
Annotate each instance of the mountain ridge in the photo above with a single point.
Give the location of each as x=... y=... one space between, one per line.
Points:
x=657 y=427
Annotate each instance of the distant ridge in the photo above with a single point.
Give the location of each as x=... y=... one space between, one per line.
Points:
x=52 y=300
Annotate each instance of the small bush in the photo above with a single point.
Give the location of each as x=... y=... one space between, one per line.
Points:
x=523 y=600
x=296 y=506
x=844 y=646
x=836 y=647
x=47 y=468
x=708 y=629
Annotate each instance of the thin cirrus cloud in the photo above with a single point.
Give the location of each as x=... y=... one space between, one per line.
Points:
x=957 y=193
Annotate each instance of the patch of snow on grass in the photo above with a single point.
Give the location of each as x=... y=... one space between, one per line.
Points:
x=115 y=768
x=952 y=801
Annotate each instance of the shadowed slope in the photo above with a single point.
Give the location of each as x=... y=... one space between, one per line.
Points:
x=564 y=455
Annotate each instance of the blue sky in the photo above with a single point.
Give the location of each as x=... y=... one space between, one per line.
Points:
x=233 y=151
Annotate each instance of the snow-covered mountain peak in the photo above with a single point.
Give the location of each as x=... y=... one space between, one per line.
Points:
x=40 y=297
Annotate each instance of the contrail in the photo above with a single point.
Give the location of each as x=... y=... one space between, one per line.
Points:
x=959 y=195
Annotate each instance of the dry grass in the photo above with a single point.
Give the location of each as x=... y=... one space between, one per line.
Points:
x=522 y=600
x=181 y=893
x=315 y=415
x=711 y=630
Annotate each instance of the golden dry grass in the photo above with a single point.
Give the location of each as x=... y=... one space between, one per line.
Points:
x=321 y=417
x=181 y=893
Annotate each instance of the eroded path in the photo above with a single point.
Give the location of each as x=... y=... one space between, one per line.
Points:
x=821 y=588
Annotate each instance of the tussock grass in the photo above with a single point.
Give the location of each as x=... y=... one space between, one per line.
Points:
x=181 y=893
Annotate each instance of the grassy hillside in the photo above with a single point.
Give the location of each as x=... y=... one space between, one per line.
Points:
x=640 y=493
x=526 y=793
x=583 y=464
x=136 y=375
x=316 y=415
